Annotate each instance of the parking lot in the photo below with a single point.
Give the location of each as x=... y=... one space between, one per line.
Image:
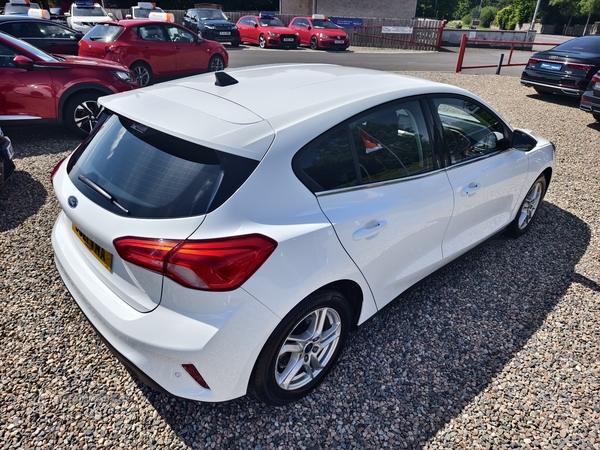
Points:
x=499 y=350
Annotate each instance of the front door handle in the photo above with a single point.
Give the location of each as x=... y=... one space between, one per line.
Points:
x=470 y=189
x=371 y=229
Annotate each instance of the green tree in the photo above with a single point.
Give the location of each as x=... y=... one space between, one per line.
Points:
x=488 y=14
x=568 y=8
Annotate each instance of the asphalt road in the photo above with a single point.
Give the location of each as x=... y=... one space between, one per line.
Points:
x=392 y=60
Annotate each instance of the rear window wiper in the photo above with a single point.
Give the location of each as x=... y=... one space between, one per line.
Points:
x=94 y=187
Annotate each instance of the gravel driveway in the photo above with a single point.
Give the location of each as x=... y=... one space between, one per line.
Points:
x=499 y=350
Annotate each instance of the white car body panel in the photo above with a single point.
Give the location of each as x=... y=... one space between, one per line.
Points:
x=412 y=213
x=196 y=117
x=486 y=191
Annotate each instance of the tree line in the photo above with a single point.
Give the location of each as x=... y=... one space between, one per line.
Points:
x=508 y=13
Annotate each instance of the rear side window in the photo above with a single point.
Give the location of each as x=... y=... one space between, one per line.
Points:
x=20 y=29
x=150 y=174
x=104 y=33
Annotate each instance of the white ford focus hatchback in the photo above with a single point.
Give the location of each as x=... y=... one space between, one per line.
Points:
x=224 y=232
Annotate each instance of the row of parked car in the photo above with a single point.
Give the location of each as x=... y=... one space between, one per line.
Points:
x=571 y=68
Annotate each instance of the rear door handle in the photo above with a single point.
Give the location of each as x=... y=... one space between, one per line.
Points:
x=470 y=189
x=371 y=229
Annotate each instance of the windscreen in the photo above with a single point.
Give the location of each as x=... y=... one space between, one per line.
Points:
x=320 y=23
x=211 y=14
x=144 y=13
x=267 y=22
x=150 y=174
x=95 y=11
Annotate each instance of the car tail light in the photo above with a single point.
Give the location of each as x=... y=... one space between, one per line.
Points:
x=533 y=61
x=596 y=78
x=53 y=173
x=584 y=67
x=211 y=265
x=116 y=49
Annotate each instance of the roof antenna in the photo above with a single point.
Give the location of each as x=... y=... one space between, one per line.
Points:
x=224 y=79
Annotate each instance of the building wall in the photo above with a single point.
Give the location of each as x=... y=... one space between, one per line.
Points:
x=385 y=9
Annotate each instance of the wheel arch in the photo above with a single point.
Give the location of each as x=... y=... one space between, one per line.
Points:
x=76 y=90
x=353 y=294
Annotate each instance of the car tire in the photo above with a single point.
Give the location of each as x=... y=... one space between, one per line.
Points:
x=314 y=356
x=235 y=43
x=528 y=209
x=216 y=63
x=262 y=41
x=596 y=116
x=314 y=44
x=142 y=72
x=82 y=111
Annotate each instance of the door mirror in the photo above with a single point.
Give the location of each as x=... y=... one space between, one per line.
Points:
x=255 y=25
x=128 y=16
x=23 y=62
x=522 y=140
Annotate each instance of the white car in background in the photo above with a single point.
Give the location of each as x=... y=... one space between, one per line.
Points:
x=84 y=15
x=143 y=10
x=225 y=232
x=19 y=7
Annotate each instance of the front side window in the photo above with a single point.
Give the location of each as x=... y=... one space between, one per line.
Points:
x=49 y=30
x=20 y=29
x=7 y=56
x=150 y=174
x=177 y=34
x=392 y=142
x=470 y=130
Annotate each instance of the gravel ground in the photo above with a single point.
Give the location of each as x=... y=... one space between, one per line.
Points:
x=499 y=350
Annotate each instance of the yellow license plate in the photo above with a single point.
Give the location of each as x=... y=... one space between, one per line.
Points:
x=102 y=255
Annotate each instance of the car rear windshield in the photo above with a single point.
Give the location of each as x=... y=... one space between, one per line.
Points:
x=134 y=170
x=587 y=44
x=104 y=33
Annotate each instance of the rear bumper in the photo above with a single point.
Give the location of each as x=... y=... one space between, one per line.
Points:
x=590 y=103
x=223 y=346
x=556 y=84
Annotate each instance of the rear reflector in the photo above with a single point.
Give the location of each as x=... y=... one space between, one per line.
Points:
x=212 y=265
x=191 y=369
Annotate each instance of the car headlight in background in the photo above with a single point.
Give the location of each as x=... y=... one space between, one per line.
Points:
x=273 y=34
x=324 y=36
x=209 y=27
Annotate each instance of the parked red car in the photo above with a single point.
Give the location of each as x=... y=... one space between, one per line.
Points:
x=39 y=87
x=266 y=30
x=319 y=32
x=153 y=49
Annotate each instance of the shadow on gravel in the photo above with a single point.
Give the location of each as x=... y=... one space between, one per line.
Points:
x=26 y=140
x=418 y=363
x=557 y=99
x=20 y=198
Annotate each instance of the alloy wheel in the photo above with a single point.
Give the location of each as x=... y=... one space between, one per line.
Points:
x=308 y=349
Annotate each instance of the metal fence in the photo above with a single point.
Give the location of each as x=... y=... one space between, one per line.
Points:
x=377 y=33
